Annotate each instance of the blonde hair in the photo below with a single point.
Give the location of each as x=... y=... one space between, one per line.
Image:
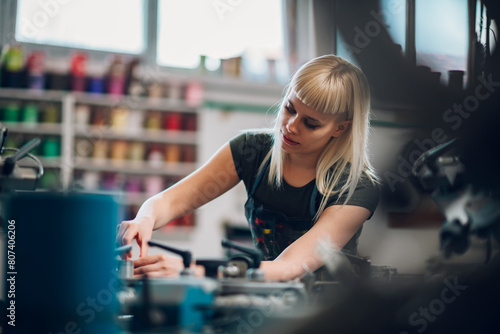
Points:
x=334 y=86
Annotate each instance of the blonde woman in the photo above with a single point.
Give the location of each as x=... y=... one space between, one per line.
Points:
x=307 y=179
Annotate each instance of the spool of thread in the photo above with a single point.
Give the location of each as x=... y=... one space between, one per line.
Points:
x=155 y=90
x=119 y=118
x=82 y=115
x=173 y=121
x=119 y=150
x=96 y=85
x=11 y=113
x=91 y=180
x=135 y=121
x=109 y=181
x=153 y=121
x=133 y=185
x=83 y=148
x=190 y=122
x=137 y=152
x=189 y=153
x=153 y=185
x=173 y=153
x=194 y=94
x=155 y=157
x=100 y=150
x=99 y=117
x=30 y=115
x=50 y=114
x=51 y=147
x=50 y=180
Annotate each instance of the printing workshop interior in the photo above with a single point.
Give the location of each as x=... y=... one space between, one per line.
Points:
x=179 y=166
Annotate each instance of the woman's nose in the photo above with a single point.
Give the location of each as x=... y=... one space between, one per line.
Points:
x=291 y=125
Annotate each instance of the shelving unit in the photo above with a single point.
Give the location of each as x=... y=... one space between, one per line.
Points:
x=79 y=167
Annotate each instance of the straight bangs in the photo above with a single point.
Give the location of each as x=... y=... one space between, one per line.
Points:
x=326 y=91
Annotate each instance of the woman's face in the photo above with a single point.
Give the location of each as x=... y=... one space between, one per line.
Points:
x=305 y=131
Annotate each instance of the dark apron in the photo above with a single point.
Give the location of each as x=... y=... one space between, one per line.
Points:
x=272 y=231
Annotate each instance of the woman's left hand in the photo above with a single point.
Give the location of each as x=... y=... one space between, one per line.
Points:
x=158 y=265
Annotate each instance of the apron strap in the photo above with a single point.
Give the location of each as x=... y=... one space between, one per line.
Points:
x=259 y=177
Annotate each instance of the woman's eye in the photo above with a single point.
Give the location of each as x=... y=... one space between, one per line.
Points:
x=289 y=110
x=310 y=126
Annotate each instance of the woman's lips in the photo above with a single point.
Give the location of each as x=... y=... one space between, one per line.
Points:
x=288 y=141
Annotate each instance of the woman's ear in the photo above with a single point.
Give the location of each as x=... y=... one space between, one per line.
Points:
x=341 y=127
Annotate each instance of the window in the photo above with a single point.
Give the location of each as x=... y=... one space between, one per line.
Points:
x=188 y=30
x=87 y=24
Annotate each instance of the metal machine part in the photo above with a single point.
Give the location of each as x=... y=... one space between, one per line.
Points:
x=253 y=273
x=186 y=256
x=14 y=177
x=467 y=209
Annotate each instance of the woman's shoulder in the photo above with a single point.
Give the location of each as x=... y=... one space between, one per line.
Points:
x=255 y=139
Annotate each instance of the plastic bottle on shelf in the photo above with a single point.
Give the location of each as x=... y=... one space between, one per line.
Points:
x=13 y=74
x=116 y=77
x=96 y=81
x=78 y=72
x=133 y=84
x=36 y=70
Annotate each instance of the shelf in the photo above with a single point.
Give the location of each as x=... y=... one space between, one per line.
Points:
x=37 y=95
x=134 y=102
x=152 y=136
x=134 y=167
x=36 y=128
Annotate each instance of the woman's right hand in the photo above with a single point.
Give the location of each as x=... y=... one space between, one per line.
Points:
x=140 y=229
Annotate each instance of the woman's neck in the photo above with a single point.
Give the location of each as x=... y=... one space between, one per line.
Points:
x=298 y=172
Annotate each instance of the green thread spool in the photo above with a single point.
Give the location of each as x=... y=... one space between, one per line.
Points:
x=30 y=115
x=11 y=113
x=51 y=114
x=51 y=147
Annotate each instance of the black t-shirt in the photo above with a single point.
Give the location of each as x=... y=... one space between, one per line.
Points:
x=249 y=150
